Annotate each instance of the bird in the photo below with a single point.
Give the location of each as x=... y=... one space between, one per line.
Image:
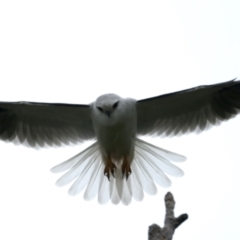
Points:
x=119 y=166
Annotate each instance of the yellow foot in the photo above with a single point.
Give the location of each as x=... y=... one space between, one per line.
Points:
x=126 y=168
x=109 y=167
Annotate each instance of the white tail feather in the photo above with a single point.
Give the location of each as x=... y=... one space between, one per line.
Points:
x=143 y=177
x=104 y=190
x=93 y=185
x=150 y=165
x=171 y=156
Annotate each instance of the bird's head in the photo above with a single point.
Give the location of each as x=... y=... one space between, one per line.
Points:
x=107 y=104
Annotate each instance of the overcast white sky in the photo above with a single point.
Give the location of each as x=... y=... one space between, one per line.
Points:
x=74 y=51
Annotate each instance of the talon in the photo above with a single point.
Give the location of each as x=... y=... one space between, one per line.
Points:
x=110 y=167
x=112 y=171
x=126 y=168
x=128 y=174
x=107 y=175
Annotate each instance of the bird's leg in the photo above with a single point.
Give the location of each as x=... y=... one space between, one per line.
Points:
x=109 y=167
x=126 y=167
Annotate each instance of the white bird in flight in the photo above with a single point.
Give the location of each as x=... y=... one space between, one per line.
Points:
x=119 y=166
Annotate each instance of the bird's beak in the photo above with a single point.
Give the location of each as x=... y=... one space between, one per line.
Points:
x=108 y=112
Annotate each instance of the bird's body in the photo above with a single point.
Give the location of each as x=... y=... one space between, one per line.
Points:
x=116 y=133
x=119 y=166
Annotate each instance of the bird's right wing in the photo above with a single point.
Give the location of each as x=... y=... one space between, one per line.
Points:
x=41 y=124
x=188 y=110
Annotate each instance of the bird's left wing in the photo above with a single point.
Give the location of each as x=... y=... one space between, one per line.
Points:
x=188 y=110
x=41 y=124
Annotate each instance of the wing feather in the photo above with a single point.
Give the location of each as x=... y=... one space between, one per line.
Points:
x=41 y=124
x=188 y=110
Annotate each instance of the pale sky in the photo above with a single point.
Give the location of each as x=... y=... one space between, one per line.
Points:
x=74 y=51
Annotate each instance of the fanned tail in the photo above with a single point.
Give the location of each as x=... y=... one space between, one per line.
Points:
x=149 y=166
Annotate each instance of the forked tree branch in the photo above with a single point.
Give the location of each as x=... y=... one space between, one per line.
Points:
x=155 y=232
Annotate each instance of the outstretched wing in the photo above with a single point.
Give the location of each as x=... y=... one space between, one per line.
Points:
x=188 y=110
x=45 y=123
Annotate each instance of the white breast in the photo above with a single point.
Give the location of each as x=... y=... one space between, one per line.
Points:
x=116 y=135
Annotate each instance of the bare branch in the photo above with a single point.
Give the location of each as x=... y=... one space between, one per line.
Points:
x=155 y=232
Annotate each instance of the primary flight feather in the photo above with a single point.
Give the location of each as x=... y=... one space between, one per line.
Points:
x=119 y=166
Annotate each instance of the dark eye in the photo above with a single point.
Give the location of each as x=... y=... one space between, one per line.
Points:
x=100 y=109
x=115 y=105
